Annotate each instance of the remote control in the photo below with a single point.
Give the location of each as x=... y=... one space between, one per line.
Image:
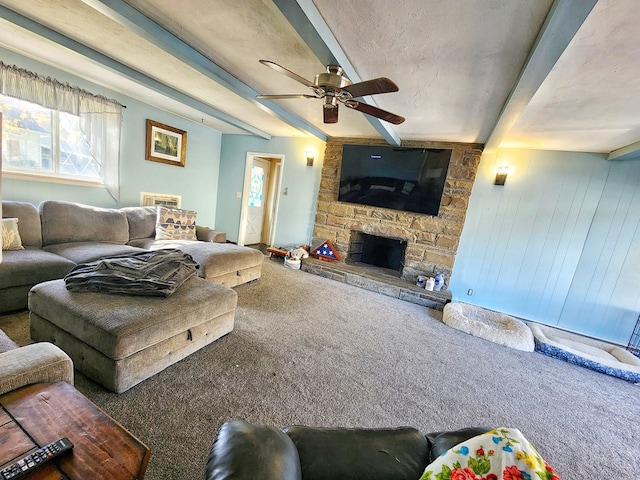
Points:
x=35 y=459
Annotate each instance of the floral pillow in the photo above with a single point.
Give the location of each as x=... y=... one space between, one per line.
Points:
x=175 y=224
x=501 y=454
x=10 y=236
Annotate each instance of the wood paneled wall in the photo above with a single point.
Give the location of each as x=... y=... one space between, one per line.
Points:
x=558 y=244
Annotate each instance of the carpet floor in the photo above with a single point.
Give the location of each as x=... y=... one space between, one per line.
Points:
x=308 y=350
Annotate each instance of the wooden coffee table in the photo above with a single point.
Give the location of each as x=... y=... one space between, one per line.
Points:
x=38 y=414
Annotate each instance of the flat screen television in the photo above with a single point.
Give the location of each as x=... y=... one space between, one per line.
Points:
x=400 y=178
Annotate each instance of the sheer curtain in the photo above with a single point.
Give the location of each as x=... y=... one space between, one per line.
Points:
x=100 y=117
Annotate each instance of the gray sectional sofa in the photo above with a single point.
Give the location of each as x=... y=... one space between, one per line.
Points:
x=58 y=235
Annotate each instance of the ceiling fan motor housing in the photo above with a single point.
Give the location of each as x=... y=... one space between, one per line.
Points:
x=332 y=78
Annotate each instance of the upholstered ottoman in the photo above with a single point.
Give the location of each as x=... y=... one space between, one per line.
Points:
x=121 y=340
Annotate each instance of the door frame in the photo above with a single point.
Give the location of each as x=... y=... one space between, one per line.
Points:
x=273 y=197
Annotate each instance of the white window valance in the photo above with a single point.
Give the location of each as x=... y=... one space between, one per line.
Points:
x=100 y=117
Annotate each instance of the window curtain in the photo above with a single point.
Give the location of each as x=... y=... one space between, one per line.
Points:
x=100 y=117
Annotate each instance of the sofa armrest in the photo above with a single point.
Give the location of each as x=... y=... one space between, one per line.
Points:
x=440 y=442
x=36 y=363
x=245 y=451
x=206 y=234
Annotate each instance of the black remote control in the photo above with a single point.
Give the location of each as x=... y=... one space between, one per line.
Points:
x=35 y=459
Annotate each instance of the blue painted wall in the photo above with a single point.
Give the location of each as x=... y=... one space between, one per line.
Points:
x=557 y=243
x=297 y=207
x=197 y=182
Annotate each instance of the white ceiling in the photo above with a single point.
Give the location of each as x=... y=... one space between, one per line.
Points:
x=561 y=75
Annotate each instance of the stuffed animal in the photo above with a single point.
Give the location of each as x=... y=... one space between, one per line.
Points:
x=298 y=253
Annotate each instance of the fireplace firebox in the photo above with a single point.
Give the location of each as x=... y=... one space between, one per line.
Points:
x=376 y=251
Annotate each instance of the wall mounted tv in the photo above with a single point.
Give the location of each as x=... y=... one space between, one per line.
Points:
x=401 y=178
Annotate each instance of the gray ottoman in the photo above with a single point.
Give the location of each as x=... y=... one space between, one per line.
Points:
x=121 y=340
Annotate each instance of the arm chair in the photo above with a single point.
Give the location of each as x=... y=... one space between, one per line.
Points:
x=35 y=363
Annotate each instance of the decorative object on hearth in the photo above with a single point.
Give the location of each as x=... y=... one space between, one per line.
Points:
x=438 y=282
x=334 y=88
x=430 y=284
x=326 y=251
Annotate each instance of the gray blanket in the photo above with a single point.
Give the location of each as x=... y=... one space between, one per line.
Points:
x=158 y=273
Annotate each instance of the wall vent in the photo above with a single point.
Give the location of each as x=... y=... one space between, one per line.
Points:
x=152 y=199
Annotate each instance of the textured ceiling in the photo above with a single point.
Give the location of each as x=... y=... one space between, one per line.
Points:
x=468 y=71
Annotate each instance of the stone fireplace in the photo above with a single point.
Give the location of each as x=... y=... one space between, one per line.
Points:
x=430 y=242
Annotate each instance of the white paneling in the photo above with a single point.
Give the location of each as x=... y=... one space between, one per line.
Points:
x=604 y=296
x=522 y=243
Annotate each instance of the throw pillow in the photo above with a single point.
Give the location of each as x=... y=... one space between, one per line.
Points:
x=175 y=224
x=10 y=236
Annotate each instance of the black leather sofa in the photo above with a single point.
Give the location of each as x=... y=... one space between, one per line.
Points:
x=245 y=451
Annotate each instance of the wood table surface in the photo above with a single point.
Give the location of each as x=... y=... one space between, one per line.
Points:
x=38 y=414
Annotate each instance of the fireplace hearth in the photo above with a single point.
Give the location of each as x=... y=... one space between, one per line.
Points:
x=377 y=251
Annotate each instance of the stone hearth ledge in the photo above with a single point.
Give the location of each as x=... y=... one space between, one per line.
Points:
x=371 y=279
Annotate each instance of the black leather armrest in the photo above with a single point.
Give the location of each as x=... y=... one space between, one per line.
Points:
x=360 y=454
x=440 y=442
x=245 y=451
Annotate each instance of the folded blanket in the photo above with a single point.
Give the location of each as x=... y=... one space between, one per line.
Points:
x=501 y=454
x=158 y=273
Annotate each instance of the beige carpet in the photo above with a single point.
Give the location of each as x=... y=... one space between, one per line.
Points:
x=308 y=350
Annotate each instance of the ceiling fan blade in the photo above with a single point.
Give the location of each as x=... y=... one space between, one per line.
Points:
x=280 y=97
x=330 y=113
x=376 y=112
x=371 y=87
x=288 y=73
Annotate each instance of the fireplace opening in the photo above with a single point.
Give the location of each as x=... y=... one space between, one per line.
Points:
x=373 y=250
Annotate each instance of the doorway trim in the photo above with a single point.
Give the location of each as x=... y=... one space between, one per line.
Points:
x=273 y=201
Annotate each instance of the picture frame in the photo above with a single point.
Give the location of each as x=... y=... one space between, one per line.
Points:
x=165 y=144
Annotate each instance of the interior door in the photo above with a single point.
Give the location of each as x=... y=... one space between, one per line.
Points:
x=257 y=200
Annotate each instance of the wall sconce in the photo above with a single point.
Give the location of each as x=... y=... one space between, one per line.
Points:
x=501 y=175
x=309 y=154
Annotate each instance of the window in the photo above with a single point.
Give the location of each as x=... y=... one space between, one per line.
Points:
x=38 y=140
x=43 y=125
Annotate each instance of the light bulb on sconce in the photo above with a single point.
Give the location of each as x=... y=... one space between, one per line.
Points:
x=310 y=156
x=501 y=175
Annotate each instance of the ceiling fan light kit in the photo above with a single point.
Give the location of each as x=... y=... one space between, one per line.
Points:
x=334 y=88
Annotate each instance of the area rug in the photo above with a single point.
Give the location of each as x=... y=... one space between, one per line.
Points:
x=493 y=326
x=587 y=352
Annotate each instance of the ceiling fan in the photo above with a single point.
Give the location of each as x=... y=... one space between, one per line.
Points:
x=335 y=88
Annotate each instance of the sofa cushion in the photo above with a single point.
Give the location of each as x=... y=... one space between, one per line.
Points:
x=367 y=454
x=142 y=221
x=29 y=221
x=175 y=224
x=10 y=235
x=83 y=252
x=64 y=222
x=243 y=450
x=216 y=259
x=31 y=266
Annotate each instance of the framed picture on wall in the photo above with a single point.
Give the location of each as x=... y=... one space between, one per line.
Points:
x=165 y=144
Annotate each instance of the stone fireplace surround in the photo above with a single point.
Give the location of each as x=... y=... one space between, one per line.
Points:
x=432 y=241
